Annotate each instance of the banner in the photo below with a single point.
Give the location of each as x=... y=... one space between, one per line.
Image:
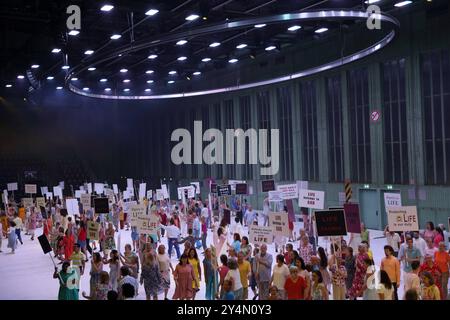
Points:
x=115 y=189
x=402 y=218
x=241 y=188
x=288 y=191
x=135 y=211
x=234 y=183
x=40 y=202
x=311 y=199
x=31 y=188
x=279 y=222
x=159 y=194
x=166 y=191
x=93 y=229
x=57 y=192
x=142 y=190
x=275 y=196
x=224 y=190
x=72 y=206
x=268 y=185
x=259 y=235
x=13 y=186
x=44 y=190
x=196 y=186
x=27 y=202
x=148 y=224
x=352 y=218
x=330 y=223
x=85 y=199
x=99 y=188
x=392 y=200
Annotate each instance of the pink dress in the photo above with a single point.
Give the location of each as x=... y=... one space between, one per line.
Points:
x=358 y=280
x=184 y=275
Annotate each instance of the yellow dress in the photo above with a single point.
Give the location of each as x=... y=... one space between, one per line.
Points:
x=194 y=263
x=22 y=214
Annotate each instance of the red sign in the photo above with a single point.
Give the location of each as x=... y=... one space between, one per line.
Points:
x=375 y=116
x=352 y=218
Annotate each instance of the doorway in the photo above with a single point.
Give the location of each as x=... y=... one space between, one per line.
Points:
x=369 y=206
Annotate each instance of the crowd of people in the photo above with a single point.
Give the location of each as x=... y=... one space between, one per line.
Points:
x=178 y=256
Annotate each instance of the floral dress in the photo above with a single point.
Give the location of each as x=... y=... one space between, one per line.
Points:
x=350 y=267
x=151 y=277
x=360 y=273
x=434 y=270
x=316 y=292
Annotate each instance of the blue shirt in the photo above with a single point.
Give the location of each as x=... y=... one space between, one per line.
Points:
x=413 y=253
x=228 y=295
x=236 y=246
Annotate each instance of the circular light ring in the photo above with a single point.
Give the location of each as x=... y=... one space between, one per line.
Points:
x=302 y=16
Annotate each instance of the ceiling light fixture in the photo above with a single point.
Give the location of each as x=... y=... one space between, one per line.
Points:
x=8 y=85
x=59 y=88
x=261 y=25
x=206 y=59
x=123 y=70
x=126 y=80
x=126 y=90
x=74 y=32
x=321 y=30
x=149 y=71
x=148 y=90
x=172 y=72
x=85 y=89
x=152 y=56
x=74 y=79
x=241 y=46
x=65 y=67
x=50 y=78
x=151 y=12
x=181 y=42
x=115 y=36
x=402 y=3
x=107 y=8
x=34 y=66
x=150 y=81
x=103 y=80
x=92 y=69
x=181 y=58
x=214 y=44
x=89 y=52
x=197 y=73
x=107 y=89
x=170 y=81
x=192 y=17
x=270 y=48
x=56 y=50
x=20 y=76
x=234 y=60
x=294 y=28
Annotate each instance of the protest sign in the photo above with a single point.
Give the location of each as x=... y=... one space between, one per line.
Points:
x=85 y=200
x=352 y=217
x=260 y=235
x=279 y=222
x=93 y=229
x=330 y=223
x=31 y=188
x=311 y=199
x=402 y=218
x=288 y=191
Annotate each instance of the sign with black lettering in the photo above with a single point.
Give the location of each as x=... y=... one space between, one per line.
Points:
x=268 y=185
x=224 y=190
x=260 y=235
x=241 y=188
x=101 y=205
x=279 y=222
x=330 y=223
x=402 y=218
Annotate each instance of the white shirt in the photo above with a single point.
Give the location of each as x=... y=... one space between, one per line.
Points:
x=280 y=275
x=132 y=281
x=172 y=231
x=236 y=276
x=388 y=293
x=393 y=241
x=420 y=244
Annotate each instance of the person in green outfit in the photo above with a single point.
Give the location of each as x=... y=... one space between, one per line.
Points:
x=67 y=282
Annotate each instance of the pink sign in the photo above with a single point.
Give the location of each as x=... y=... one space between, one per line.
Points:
x=352 y=217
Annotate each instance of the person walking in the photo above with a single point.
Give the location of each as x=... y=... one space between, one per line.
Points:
x=173 y=233
x=391 y=265
x=264 y=267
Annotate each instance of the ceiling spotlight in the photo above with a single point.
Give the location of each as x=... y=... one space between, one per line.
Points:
x=321 y=30
x=151 y=12
x=172 y=72
x=123 y=70
x=126 y=80
x=107 y=8
x=170 y=81
x=115 y=36
x=214 y=44
x=206 y=59
x=20 y=76
x=181 y=58
x=91 y=69
x=241 y=46
x=181 y=42
x=148 y=90
x=56 y=50
x=149 y=71
x=197 y=73
x=234 y=60
x=261 y=25
x=150 y=81
x=8 y=85
x=74 y=79
x=89 y=52
x=402 y=3
x=103 y=80
x=85 y=89
x=65 y=67
x=371 y=1
x=192 y=17
x=126 y=90
x=152 y=56
x=294 y=28
x=35 y=66
x=59 y=88
x=107 y=89
x=270 y=48
x=74 y=32
x=50 y=78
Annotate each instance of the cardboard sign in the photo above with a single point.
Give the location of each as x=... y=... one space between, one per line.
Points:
x=127 y=206
x=85 y=199
x=45 y=245
x=159 y=194
x=392 y=200
x=13 y=186
x=402 y=218
x=130 y=192
x=268 y=185
x=148 y=224
x=142 y=190
x=224 y=190
x=259 y=235
x=241 y=188
x=27 y=202
x=135 y=211
x=279 y=221
x=31 y=188
x=93 y=229
x=196 y=186
x=190 y=192
x=40 y=201
x=213 y=188
x=130 y=183
x=101 y=205
x=43 y=212
x=275 y=196
x=72 y=206
x=61 y=185
x=149 y=194
x=311 y=199
x=288 y=191
x=57 y=191
x=352 y=218
x=99 y=188
x=44 y=190
x=330 y=223
x=115 y=189
x=165 y=191
x=78 y=193
x=234 y=183
x=49 y=195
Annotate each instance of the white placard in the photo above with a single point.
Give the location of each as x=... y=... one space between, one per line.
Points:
x=30 y=188
x=82 y=188
x=128 y=205
x=288 y=191
x=61 y=185
x=135 y=211
x=196 y=186
x=85 y=199
x=126 y=194
x=130 y=183
x=89 y=187
x=44 y=190
x=149 y=194
x=142 y=189
x=72 y=207
x=115 y=189
x=275 y=196
x=159 y=194
x=402 y=218
x=279 y=222
x=49 y=195
x=165 y=191
x=148 y=224
x=57 y=191
x=78 y=193
x=27 y=202
x=190 y=189
x=130 y=192
x=233 y=183
x=108 y=192
x=311 y=199
x=392 y=200
x=13 y=186
x=99 y=188
x=260 y=235
x=40 y=202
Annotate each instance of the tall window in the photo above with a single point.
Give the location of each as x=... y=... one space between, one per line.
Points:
x=263 y=107
x=206 y=126
x=435 y=70
x=308 y=121
x=335 y=132
x=395 y=131
x=285 y=125
x=218 y=125
x=245 y=115
x=358 y=103
x=229 y=124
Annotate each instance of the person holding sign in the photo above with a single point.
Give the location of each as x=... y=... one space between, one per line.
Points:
x=67 y=289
